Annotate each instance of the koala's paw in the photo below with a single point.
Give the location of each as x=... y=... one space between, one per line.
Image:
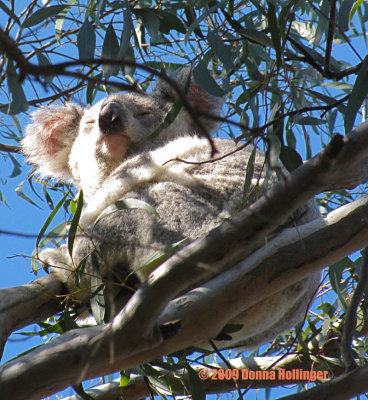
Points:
x=59 y=260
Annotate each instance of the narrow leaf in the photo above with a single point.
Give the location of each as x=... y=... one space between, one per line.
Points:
x=354 y=9
x=206 y=82
x=97 y=296
x=357 y=96
x=206 y=14
x=8 y=11
x=249 y=173
x=42 y=14
x=110 y=50
x=74 y=225
x=20 y=193
x=196 y=385
x=19 y=101
x=223 y=52
x=275 y=34
x=343 y=15
x=290 y=158
x=125 y=205
x=60 y=19
x=49 y=219
x=86 y=41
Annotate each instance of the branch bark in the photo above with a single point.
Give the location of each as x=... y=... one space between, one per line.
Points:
x=23 y=305
x=90 y=352
x=178 y=380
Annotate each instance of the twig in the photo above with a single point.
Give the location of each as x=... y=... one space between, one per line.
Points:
x=330 y=36
x=9 y=149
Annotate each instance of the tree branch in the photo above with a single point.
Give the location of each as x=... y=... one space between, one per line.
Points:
x=9 y=149
x=342 y=388
x=23 y=305
x=104 y=349
x=178 y=380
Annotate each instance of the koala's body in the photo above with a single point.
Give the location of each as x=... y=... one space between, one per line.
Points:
x=107 y=152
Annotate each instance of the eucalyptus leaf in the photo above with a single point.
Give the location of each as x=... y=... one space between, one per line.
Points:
x=97 y=295
x=60 y=19
x=86 y=41
x=42 y=14
x=357 y=96
x=110 y=50
x=222 y=51
x=206 y=82
x=74 y=224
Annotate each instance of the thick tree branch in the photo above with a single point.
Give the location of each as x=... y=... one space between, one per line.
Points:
x=204 y=258
x=23 y=305
x=178 y=380
x=104 y=349
x=342 y=388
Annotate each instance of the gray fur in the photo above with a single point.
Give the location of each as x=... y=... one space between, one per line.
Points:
x=106 y=151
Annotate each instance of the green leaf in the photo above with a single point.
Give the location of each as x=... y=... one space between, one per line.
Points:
x=150 y=21
x=17 y=169
x=60 y=19
x=206 y=82
x=125 y=205
x=335 y=274
x=97 y=296
x=169 y=21
x=274 y=149
x=206 y=14
x=110 y=50
x=307 y=120
x=344 y=14
x=42 y=14
x=126 y=32
x=9 y=12
x=285 y=14
x=2 y=199
x=275 y=34
x=19 y=101
x=49 y=219
x=126 y=51
x=44 y=61
x=196 y=385
x=357 y=96
x=74 y=225
x=222 y=51
x=290 y=158
x=124 y=378
x=158 y=258
x=20 y=193
x=172 y=114
x=86 y=41
x=249 y=173
x=258 y=37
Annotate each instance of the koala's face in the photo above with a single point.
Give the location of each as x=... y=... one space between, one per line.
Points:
x=118 y=122
x=85 y=145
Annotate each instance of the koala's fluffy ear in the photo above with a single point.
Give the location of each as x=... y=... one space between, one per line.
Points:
x=49 y=138
x=199 y=99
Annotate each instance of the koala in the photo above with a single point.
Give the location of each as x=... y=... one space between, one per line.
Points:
x=171 y=191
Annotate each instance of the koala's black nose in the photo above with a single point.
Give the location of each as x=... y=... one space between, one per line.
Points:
x=111 y=118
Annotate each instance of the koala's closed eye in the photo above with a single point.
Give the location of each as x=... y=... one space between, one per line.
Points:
x=142 y=113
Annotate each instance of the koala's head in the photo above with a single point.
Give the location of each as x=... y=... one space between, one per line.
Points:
x=85 y=146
